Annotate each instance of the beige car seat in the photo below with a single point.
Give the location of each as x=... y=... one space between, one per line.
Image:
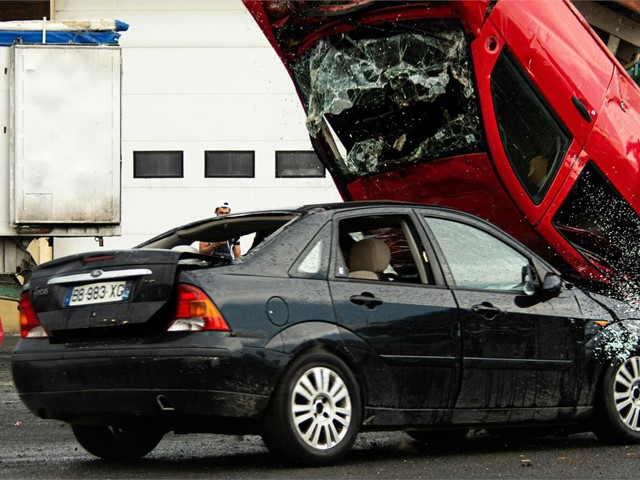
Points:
x=538 y=169
x=368 y=259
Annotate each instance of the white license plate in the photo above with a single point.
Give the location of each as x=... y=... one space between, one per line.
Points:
x=101 y=292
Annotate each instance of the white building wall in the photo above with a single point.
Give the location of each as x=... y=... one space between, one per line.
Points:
x=198 y=75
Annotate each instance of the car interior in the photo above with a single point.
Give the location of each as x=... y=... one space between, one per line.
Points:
x=251 y=229
x=383 y=248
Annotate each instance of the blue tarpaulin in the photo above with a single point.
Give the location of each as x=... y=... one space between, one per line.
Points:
x=59 y=33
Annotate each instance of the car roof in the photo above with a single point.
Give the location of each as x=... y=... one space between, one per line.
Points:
x=362 y=204
x=194 y=229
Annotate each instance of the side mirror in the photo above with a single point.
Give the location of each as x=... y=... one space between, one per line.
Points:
x=552 y=285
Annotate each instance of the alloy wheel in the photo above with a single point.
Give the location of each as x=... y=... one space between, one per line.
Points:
x=626 y=393
x=321 y=408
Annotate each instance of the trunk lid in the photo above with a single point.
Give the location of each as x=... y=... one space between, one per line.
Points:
x=106 y=294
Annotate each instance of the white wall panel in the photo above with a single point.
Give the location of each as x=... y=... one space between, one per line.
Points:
x=204 y=70
x=213 y=117
x=198 y=75
x=78 y=88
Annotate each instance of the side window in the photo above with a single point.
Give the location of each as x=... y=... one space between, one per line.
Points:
x=477 y=259
x=533 y=139
x=311 y=264
x=381 y=248
x=600 y=223
x=314 y=260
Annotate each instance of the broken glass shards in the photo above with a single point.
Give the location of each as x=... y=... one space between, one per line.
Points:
x=396 y=98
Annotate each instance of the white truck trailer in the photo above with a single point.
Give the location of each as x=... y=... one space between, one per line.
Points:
x=60 y=102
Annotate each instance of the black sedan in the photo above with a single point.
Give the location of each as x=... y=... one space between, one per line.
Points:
x=340 y=318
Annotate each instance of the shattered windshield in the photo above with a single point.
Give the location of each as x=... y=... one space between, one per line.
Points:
x=398 y=94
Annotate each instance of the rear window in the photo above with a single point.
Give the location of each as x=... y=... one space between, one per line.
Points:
x=251 y=230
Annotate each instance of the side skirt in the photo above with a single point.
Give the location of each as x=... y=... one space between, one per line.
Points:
x=381 y=417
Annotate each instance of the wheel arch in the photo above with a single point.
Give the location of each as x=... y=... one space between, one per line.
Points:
x=315 y=336
x=609 y=347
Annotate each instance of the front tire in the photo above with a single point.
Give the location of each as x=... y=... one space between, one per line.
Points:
x=315 y=412
x=116 y=443
x=618 y=406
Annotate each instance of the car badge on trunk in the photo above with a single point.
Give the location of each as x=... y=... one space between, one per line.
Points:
x=96 y=273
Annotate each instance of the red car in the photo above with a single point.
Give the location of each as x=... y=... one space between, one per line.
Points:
x=513 y=111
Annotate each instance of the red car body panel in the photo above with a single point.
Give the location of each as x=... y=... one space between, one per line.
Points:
x=463 y=182
x=588 y=92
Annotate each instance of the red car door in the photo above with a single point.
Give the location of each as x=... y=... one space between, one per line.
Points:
x=552 y=95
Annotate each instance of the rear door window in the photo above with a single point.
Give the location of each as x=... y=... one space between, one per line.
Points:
x=405 y=259
x=314 y=260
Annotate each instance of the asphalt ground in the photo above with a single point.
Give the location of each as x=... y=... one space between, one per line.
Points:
x=32 y=448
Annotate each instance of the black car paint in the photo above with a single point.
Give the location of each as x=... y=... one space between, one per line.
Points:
x=414 y=332
x=156 y=383
x=148 y=299
x=207 y=381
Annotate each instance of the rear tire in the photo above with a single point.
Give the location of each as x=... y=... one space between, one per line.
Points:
x=618 y=403
x=116 y=443
x=315 y=412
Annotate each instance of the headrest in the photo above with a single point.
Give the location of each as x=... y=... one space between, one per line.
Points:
x=370 y=254
x=538 y=170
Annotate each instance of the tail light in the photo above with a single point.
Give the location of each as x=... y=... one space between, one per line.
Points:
x=196 y=311
x=30 y=326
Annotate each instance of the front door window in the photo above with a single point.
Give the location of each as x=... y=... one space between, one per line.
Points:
x=477 y=259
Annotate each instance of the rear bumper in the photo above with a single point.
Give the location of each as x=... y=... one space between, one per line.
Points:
x=164 y=383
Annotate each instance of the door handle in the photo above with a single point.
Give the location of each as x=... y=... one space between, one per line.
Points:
x=367 y=299
x=486 y=310
x=581 y=109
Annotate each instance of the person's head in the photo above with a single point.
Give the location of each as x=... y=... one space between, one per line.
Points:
x=222 y=208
